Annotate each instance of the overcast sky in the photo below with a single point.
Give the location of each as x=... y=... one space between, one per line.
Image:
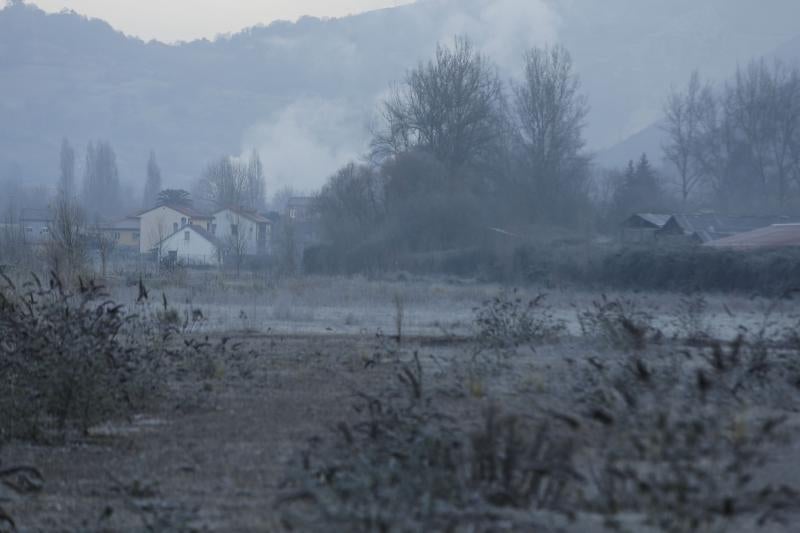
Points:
x=174 y=20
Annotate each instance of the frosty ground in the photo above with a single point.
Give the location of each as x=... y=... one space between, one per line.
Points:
x=215 y=452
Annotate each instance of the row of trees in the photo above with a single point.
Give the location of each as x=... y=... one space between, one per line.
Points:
x=459 y=151
x=225 y=182
x=739 y=144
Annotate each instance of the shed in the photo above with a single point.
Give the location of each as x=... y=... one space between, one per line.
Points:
x=707 y=227
x=641 y=227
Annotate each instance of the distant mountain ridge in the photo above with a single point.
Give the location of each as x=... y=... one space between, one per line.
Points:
x=304 y=93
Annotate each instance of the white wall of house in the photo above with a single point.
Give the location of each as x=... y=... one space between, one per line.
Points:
x=223 y=225
x=160 y=222
x=190 y=248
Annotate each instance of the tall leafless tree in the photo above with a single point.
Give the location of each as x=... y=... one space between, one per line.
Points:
x=550 y=114
x=451 y=107
x=683 y=125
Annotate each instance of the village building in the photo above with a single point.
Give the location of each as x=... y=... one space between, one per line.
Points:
x=707 y=227
x=241 y=231
x=125 y=233
x=642 y=227
x=191 y=246
x=36 y=225
x=775 y=236
x=160 y=222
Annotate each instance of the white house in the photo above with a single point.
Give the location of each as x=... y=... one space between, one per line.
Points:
x=160 y=222
x=191 y=245
x=244 y=231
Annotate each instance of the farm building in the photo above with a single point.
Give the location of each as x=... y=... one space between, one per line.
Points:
x=642 y=227
x=191 y=245
x=708 y=227
x=247 y=230
x=36 y=225
x=162 y=221
x=775 y=236
x=124 y=233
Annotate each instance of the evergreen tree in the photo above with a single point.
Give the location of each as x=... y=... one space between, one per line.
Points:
x=152 y=186
x=101 y=189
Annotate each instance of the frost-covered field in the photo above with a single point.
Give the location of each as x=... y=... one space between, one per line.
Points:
x=428 y=307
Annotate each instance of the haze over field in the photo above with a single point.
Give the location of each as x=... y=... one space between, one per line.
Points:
x=305 y=94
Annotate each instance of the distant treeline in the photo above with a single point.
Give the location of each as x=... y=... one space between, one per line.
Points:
x=583 y=265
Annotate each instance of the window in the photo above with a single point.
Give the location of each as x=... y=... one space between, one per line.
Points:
x=174 y=226
x=186 y=235
x=28 y=229
x=234 y=229
x=293 y=213
x=213 y=229
x=135 y=235
x=183 y=221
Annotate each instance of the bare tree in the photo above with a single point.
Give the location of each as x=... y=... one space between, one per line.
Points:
x=451 y=107
x=152 y=186
x=550 y=114
x=67 y=245
x=351 y=203
x=236 y=244
x=255 y=188
x=684 y=125
x=224 y=183
x=106 y=244
x=66 y=181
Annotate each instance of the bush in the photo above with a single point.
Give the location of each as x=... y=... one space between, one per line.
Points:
x=508 y=321
x=68 y=360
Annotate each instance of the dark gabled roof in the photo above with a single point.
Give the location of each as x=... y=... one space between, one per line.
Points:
x=200 y=231
x=184 y=210
x=250 y=215
x=29 y=214
x=775 y=236
x=654 y=220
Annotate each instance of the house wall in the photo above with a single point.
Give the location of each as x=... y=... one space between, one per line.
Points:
x=222 y=229
x=159 y=223
x=36 y=231
x=124 y=237
x=194 y=251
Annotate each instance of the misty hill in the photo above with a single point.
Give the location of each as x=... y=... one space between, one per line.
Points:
x=304 y=93
x=651 y=138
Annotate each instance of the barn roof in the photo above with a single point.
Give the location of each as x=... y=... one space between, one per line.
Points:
x=775 y=236
x=655 y=220
x=709 y=227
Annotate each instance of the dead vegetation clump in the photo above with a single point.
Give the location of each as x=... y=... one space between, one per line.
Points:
x=660 y=438
x=73 y=358
x=617 y=322
x=508 y=320
x=403 y=464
